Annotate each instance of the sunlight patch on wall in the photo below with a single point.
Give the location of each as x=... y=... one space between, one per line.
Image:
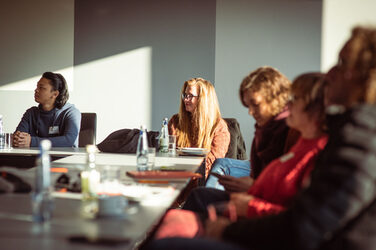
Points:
x=339 y=17
x=117 y=88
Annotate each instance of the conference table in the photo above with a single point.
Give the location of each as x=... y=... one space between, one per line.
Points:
x=25 y=157
x=70 y=228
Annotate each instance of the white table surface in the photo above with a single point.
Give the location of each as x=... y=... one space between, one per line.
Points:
x=130 y=160
x=17 y=231
x=35 y=151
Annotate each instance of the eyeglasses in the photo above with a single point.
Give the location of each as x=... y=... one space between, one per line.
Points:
x=188 y=96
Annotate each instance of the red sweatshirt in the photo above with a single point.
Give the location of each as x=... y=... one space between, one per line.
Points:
x=283 y=178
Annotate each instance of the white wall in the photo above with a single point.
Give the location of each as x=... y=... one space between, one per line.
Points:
x=339 y=17
x=285 y=34
x=103 y=87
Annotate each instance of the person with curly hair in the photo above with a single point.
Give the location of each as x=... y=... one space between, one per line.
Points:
x=53 y=119
x=265 y=93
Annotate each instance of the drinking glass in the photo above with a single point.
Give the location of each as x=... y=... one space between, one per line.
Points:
x=2 y=140
x=6 y=140
x=172 y=145
x=110 y=180
x=151 y=158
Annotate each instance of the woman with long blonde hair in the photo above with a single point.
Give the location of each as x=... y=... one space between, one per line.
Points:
x=199 y=122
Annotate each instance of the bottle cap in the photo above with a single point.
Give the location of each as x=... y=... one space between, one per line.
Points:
x=165 y=121
x=45 y=144
x=91 y=148
x=143 y=127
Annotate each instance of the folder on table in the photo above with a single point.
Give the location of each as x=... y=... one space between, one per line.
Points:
x=163 y=174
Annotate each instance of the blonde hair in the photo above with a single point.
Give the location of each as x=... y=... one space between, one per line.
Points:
x=359 y=54
x=271 y=84
x=197 y=128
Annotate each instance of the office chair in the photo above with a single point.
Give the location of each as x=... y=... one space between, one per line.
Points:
x=236 y=149
x=88 y=130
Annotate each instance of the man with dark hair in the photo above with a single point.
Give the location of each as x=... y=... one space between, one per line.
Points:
x=53 y=119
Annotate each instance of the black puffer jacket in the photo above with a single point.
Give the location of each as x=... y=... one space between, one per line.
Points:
x=125 y=141
x=338 y=210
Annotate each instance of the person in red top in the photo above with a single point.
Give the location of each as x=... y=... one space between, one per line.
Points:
x=284 y=177
x=275 y=188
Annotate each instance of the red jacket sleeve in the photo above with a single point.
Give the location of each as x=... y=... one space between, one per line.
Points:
x=259 y=207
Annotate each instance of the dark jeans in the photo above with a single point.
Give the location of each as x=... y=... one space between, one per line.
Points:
x=201 y=197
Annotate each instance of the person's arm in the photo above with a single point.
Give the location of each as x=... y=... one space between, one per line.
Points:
x=235 y=184
x=219 y=145
x=259 y=207
x=250 y=206
x=25 y=123
x=335 y=197
x=72 y=123
x=21 y=137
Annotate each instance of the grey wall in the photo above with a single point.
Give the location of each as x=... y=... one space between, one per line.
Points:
x=130 y=57
x=285 y=34
x=181 y=35
x=176 y=40
x=35 y=36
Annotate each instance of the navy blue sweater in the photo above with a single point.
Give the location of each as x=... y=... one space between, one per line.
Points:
x=61 y=126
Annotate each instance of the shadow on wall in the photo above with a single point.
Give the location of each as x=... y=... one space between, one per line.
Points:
x=34 y=40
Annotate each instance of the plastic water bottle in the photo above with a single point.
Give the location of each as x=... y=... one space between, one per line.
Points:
x=163 y=138
x=1 y=124
x=90 y=177
x=42 y=202
x=142 y=150
x=2 y=135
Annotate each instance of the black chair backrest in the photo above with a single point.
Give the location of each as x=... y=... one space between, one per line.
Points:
x=236 y=149
x=88 y=129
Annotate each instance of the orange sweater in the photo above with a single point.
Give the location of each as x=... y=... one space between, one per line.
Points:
x=219 y=145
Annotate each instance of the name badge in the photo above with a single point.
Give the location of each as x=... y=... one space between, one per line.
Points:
x=286 y=157
x=53 y=130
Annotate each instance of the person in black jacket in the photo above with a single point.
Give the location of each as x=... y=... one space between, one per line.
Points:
x=338 y=209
